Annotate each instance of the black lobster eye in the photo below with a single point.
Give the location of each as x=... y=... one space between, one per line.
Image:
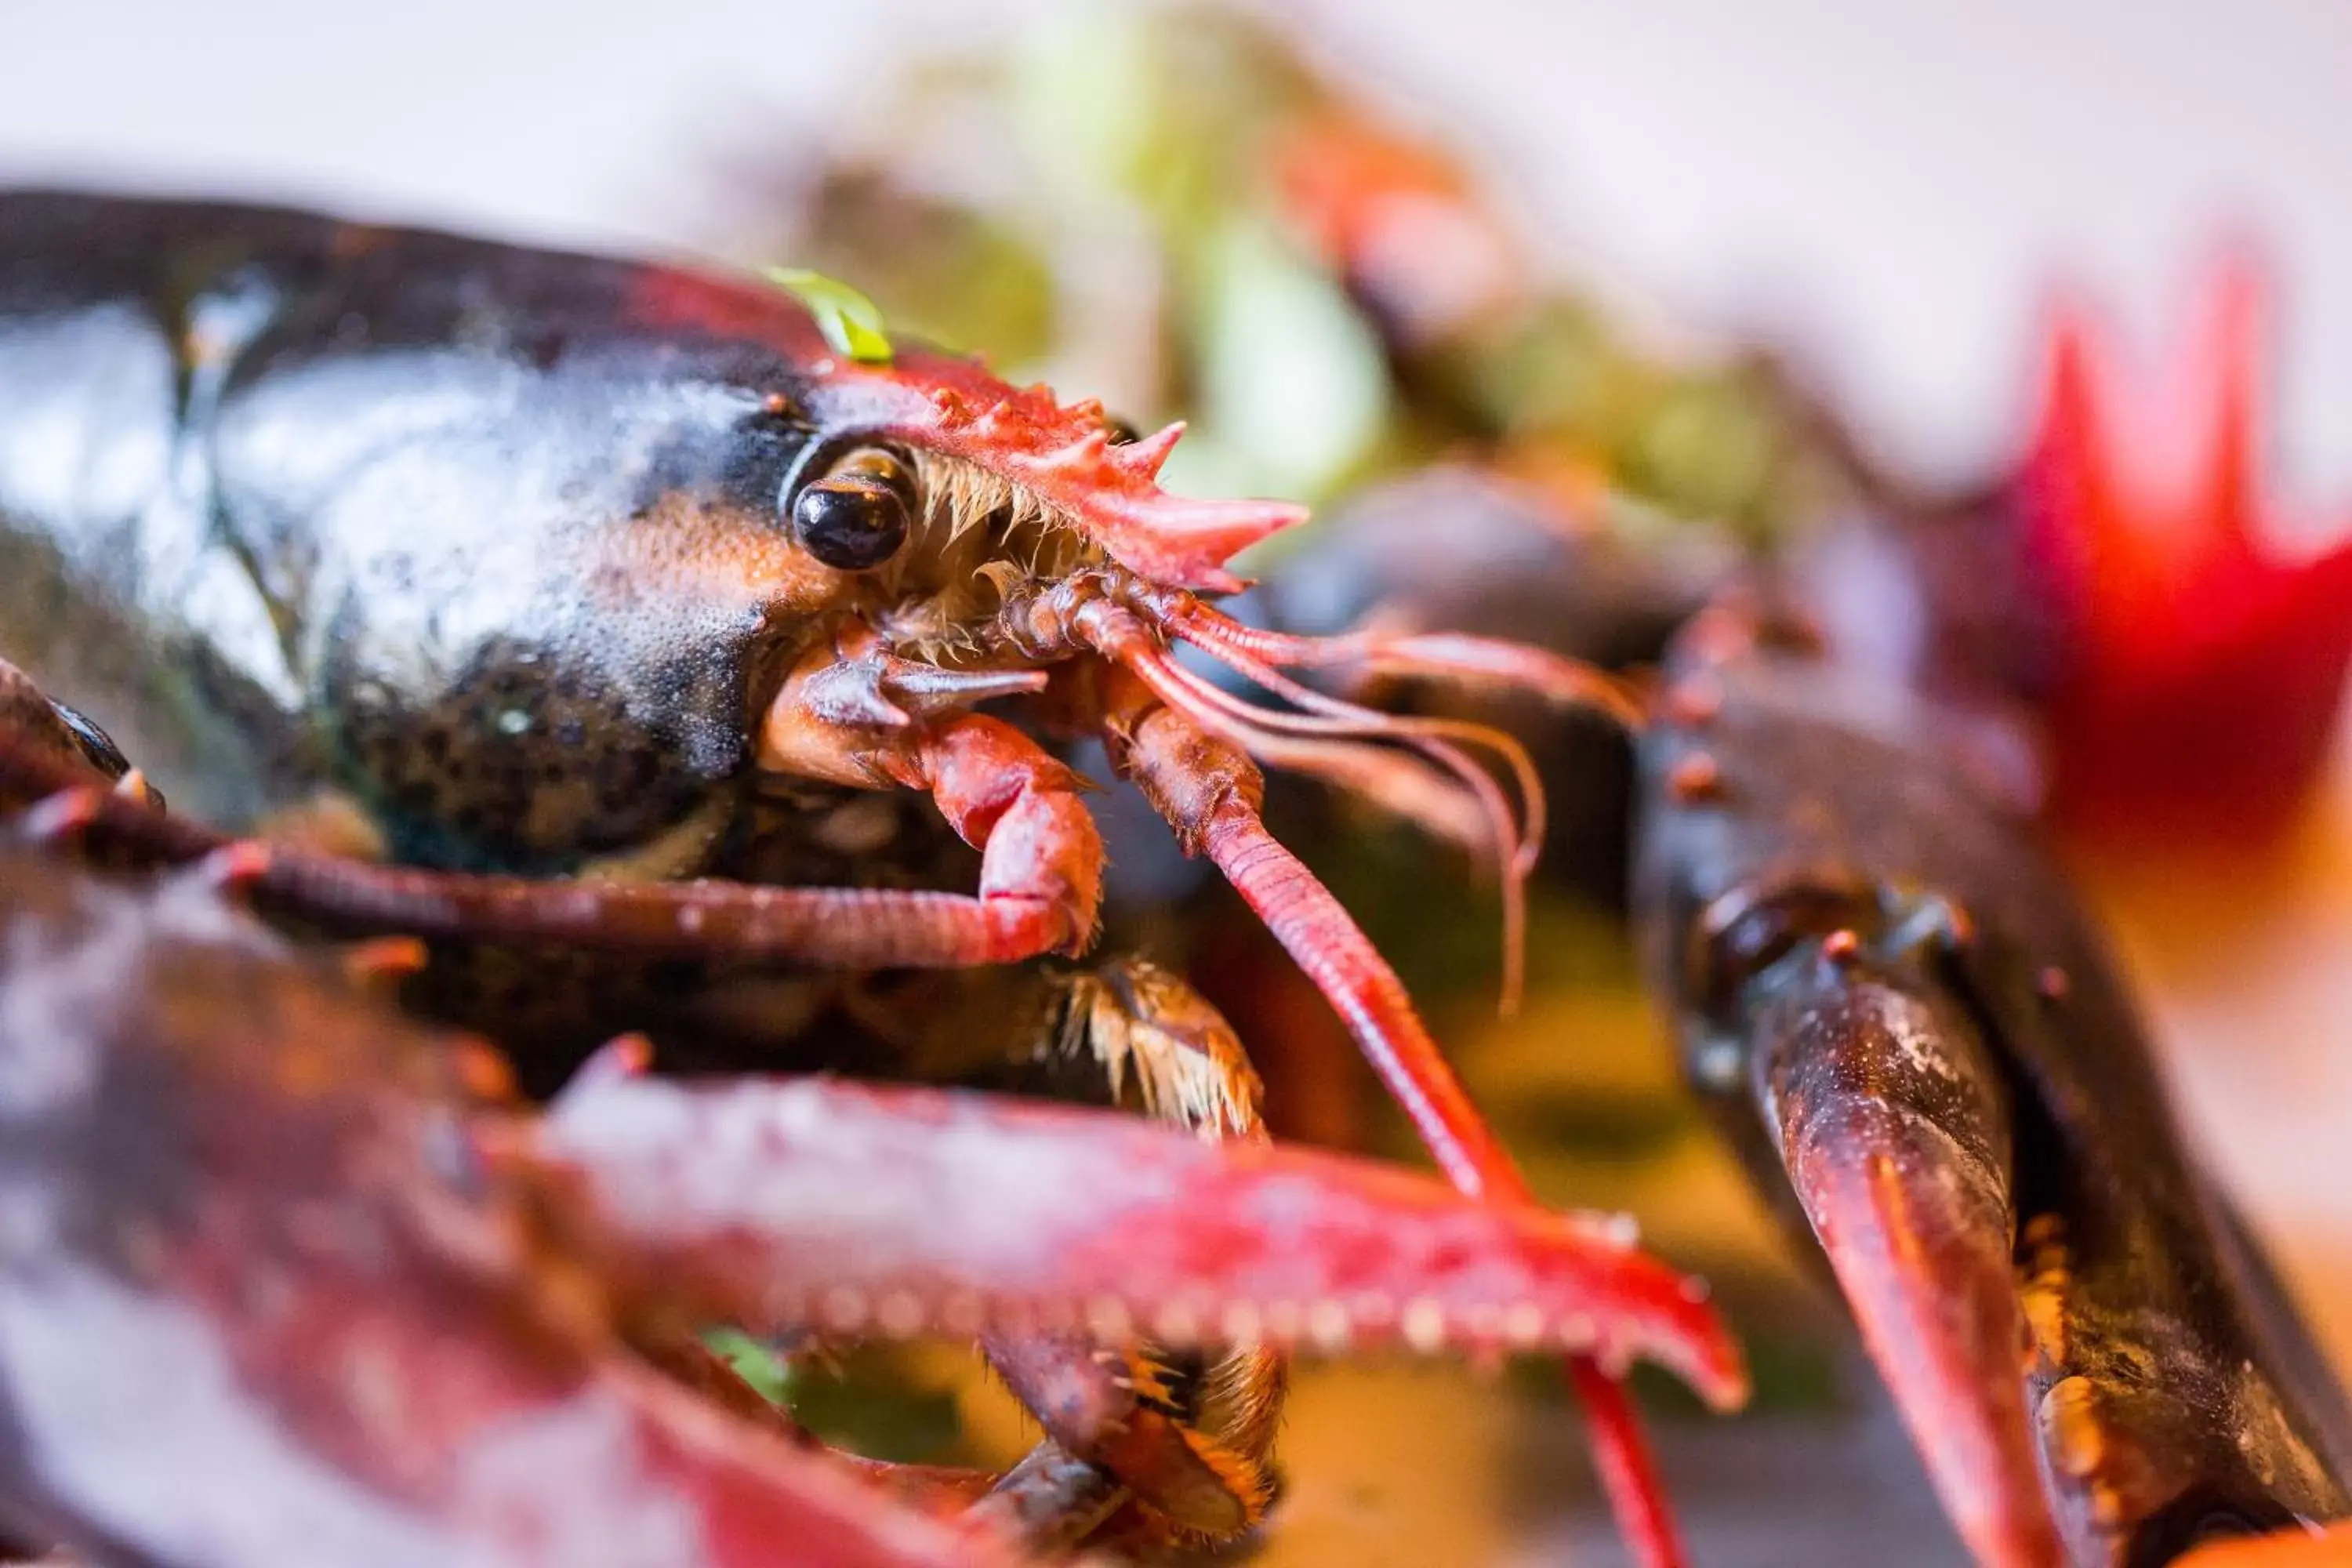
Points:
x=856 y=516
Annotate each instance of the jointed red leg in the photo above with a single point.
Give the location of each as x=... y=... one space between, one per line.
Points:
x=1041 y=871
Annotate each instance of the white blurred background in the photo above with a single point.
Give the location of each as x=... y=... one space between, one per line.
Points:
x=1892 y=185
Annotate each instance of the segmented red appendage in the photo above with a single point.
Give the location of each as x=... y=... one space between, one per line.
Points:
x=1345 y=966
x=903 y=1211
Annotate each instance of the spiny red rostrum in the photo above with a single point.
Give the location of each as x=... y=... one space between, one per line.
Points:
x=2201 y=663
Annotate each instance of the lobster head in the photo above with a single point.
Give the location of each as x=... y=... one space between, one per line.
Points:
x=855 y=385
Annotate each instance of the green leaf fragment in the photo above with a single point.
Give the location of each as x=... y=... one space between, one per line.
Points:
x=755 y=1363
x=850 y=321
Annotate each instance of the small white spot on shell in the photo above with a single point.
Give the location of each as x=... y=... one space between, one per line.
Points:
x=1109 y=1318
x=1329 y=1326
x=1523 y=1325
x=844 y=1310
x=1716 y=1064
x=900 y=1314
x=1177 y=1324
x=962 y=1315
x=1423 y=1325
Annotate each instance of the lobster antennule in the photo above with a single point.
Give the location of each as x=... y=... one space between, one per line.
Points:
x=1458 y=657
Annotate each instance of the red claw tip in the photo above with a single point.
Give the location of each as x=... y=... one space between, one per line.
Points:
x=235 y=866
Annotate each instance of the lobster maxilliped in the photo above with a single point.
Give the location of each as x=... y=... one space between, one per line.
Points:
x=569 y=613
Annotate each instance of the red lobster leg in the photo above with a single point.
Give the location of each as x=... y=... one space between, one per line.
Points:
x=1037 y=892
x=1094 y=1405
x=232 y=1176
x=1209 y=789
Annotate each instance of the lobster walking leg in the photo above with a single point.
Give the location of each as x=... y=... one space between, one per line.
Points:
x=1190 y=1443
x=1040 y=880
x=1041 y=872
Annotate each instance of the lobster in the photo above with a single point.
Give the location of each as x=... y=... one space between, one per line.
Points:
x=600 y=624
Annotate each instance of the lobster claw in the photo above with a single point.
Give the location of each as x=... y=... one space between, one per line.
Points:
x=1886 y=990
x=1893 y=1129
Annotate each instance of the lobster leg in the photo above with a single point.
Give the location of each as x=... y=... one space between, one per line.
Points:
x=1040 y=873
x=422 y=1325
x=58 y=733
x=1119 y=1410
x=790 y=1204
x=840 y=716
x=1191 y=1442
x=1894 y=1127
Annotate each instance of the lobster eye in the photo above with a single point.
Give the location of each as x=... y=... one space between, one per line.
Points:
x=857 y=517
